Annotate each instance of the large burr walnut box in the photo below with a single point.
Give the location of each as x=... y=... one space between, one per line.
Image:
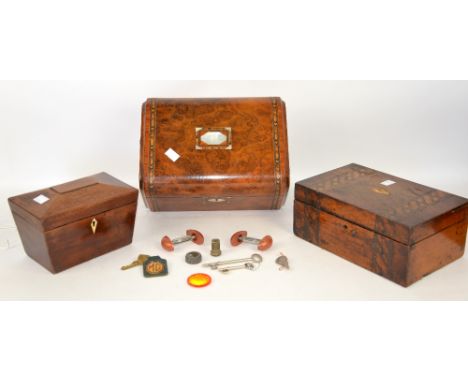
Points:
x=214 y=154
x=71 y=223
x=398 y=229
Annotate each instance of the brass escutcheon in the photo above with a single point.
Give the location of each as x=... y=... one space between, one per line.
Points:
x=381 y=191
x=94 y=224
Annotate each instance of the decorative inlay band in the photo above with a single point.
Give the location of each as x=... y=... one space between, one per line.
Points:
x=411 y=200
x=152 y=153
x=277 y=169
x=418 y=203
x=350 y=175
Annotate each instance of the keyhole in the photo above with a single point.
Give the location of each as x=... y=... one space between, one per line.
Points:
x=94 y=224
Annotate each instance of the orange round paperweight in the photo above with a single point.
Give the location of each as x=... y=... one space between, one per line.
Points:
x=199 y=280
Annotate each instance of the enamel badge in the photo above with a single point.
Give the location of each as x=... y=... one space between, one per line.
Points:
x=155 y=266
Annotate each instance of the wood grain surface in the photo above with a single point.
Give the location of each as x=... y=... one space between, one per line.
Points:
x=404 y=211
x=402 y=233
x=58 y=233
x=252 y=174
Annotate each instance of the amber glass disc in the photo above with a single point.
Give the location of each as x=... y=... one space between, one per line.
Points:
x=199 y=280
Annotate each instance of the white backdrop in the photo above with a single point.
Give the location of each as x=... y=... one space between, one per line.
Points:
x=52 y=132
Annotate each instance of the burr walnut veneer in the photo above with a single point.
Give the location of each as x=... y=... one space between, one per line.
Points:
x=68 y=224
x=214 y=154
x=396 y=228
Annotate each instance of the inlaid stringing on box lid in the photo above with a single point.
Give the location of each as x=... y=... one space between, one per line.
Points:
x=74 y=200
x=256 y=125
x=397 y=208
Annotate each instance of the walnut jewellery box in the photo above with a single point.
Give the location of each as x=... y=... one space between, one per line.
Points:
x=396 y=228
x=214 y=154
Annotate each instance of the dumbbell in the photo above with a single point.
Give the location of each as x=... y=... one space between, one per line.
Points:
x=190 y=235
x=241 y=237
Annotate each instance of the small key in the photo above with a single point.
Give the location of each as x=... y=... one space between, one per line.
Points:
x=139 y=261
x=248 y=266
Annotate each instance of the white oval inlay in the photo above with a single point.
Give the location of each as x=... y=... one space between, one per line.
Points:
x=213 y=138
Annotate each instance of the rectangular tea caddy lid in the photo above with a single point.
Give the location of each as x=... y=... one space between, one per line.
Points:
x=394 y=207
x=56 y=206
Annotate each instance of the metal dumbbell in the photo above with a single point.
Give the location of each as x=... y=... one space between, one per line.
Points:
x=241 y=237
x=191 y=235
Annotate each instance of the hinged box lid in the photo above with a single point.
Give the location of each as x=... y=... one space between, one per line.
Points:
x=56 y=206
x=394 y=207
x=214 y=146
